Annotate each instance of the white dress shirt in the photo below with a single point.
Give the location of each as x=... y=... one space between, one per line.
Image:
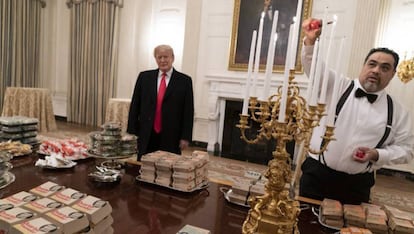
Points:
x=167 y=78
x=362 y=124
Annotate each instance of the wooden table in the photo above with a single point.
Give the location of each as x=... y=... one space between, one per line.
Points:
x=145 y=208
x=117 y=111
x=30 y=102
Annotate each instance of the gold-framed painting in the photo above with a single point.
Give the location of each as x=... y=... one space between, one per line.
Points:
x=246 y=18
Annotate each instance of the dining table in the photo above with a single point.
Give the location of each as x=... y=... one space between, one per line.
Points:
x=140 y=207
x=30 y=102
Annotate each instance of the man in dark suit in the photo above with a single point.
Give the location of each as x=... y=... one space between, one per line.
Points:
x=162 y=107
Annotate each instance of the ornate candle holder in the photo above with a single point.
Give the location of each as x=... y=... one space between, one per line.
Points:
x=276 y=211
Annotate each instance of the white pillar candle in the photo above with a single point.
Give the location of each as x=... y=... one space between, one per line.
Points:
x=296 y=34
x=312 y=71
x=270 y=57
x=249 y=74
x=318 y=69
x=285 y=85
x=334 y=99
x=257 y=57
x=324 y=88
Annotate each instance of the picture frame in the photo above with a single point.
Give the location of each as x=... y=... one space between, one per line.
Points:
x=246 y=18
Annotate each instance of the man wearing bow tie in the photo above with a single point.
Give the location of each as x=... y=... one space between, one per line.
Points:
x=371 y=130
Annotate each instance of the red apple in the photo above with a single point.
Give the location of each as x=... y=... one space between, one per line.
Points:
x=315 y=24
x=360 y=154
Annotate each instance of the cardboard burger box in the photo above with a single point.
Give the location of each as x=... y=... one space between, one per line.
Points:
x=37 y=225
x=95 y=208
x=43 y=205
x=193 y=229
x=109 y=230
x=68 y=196
x=47 y=189
x=103 y=225
x=68 y=219
x=16 y=200
x=13 y=216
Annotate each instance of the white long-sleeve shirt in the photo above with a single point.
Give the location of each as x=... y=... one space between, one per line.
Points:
x=361 y=123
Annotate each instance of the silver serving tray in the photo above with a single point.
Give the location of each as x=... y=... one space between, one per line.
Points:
x=226 y=192
x=8 y=178
x=318 y=213
x=66 y=157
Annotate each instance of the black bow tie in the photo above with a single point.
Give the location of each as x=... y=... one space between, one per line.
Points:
x=361 y=93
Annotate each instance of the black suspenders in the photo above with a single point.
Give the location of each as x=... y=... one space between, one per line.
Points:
x=341 y=103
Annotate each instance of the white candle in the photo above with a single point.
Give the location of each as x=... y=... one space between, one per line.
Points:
x=324 y=88
x=299 y=10
x=296 y=34
x=285 y=85
x=249 y=74
x=334 y=98
x=316 y=82
x=312 y=71
x=293 y=45
x=257 y=57
x=270 y=57
x=269 y=68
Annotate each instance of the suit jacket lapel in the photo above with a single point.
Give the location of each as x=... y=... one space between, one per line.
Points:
x=171 y=84
x=154 y=86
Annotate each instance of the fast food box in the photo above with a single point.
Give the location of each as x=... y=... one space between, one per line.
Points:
x=68 y=196
x=109 y=230
x=187 y=186
x=43 y=205
x=201 y=154
x=94 y=208
x=13 y=216
x=193 y=230
x=37 y=225
x=16 y=200
x=400 y=225
x=183 y=176
x=47 y=189
x=68 y=219
x=103 y=225
x=184 y=166
x=241 y=187
x=354 y=230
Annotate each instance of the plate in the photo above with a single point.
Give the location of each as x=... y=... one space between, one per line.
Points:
x=105 y=179
x=226 y=192
x=66 y=157
x=66 y=166
x=201 y=186
x=8 y=178
x=317 y=212
x=105 y=175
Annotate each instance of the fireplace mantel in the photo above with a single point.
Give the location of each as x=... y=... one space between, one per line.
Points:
x=231 y=87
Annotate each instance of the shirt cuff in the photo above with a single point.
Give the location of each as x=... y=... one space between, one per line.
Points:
x=382 y=158
x=308 y=49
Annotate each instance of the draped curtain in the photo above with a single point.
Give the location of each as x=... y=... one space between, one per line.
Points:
x=19 y=43
x=93 y=59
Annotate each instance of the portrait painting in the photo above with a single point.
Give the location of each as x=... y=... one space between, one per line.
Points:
x=246 y=19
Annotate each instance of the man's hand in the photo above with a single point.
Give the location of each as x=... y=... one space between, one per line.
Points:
x=184 y=144
x=312 y=29
x=365 y=154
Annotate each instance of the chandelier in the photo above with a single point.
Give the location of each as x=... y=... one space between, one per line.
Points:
x=405 y=70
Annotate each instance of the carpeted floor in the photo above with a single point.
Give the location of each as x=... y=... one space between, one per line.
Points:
x=393 y=190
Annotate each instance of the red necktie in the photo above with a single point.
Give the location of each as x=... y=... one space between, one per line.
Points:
x=161 y=92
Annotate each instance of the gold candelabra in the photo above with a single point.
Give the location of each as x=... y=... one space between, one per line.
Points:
x=276 y=211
